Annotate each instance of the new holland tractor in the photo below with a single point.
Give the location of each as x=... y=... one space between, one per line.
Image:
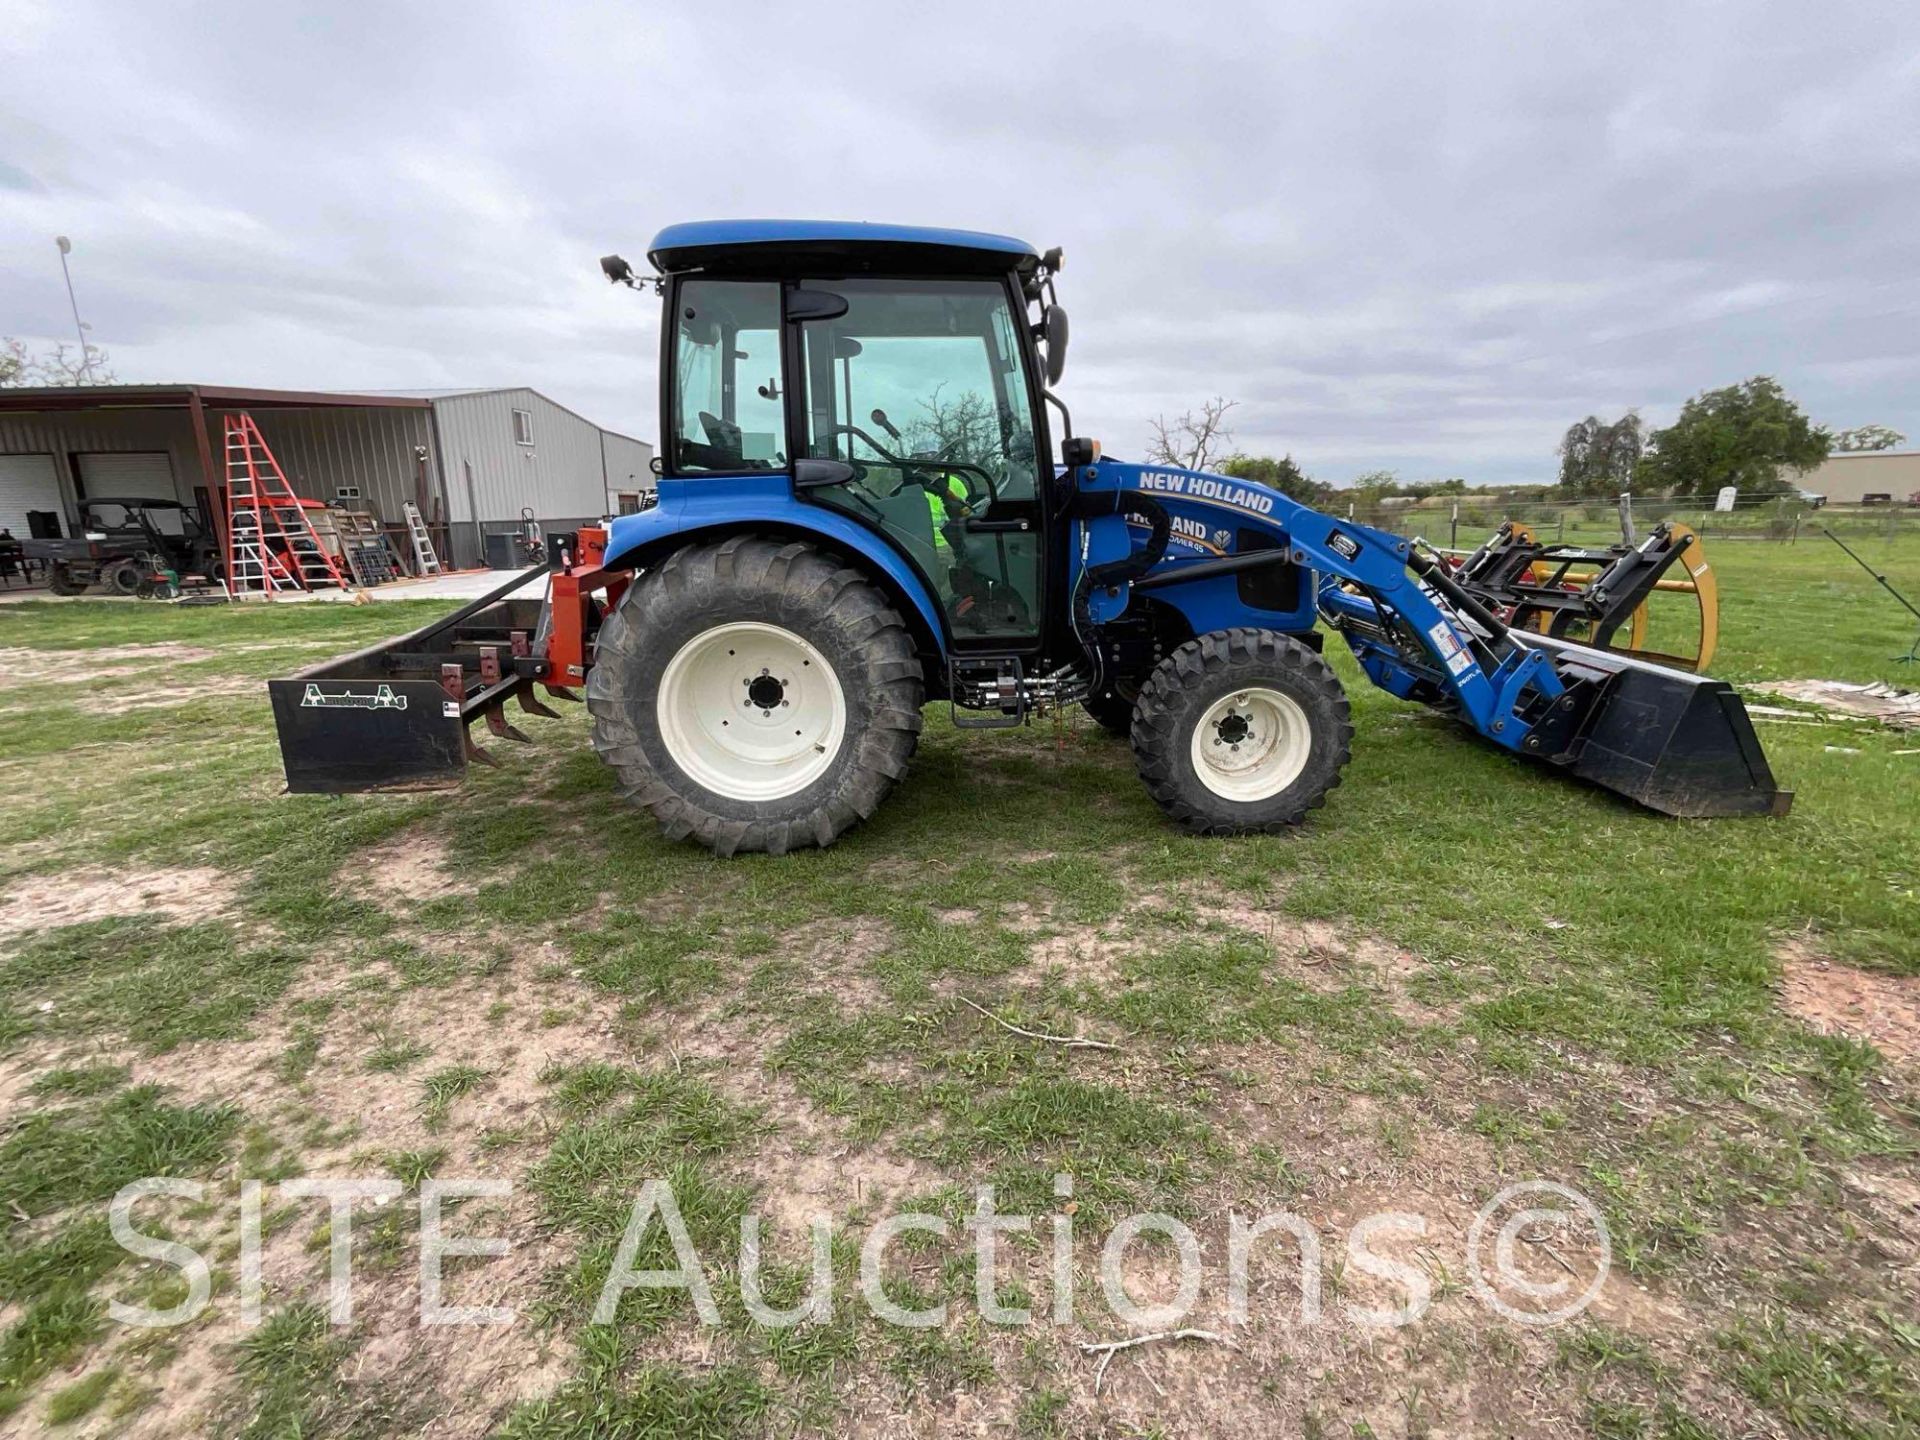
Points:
x=871 y=498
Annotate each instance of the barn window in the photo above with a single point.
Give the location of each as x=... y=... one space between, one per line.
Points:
x=523 y=427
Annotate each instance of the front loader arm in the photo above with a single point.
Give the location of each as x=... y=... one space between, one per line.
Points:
x=1387 y=600
x=1675 y=742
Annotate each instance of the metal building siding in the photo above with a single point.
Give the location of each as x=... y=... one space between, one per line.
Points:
x=560 y=475
x=321 y=450
x=63 y=434
x=629 y=463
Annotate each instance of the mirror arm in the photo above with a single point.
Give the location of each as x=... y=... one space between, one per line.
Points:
x=1066 y=419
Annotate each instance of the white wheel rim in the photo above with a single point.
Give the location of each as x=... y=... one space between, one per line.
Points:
x=1251 y=744
x=751 y=711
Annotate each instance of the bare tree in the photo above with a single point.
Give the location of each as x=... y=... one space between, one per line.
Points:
x=58 y=366
x=1193 y=441
x=965 y=428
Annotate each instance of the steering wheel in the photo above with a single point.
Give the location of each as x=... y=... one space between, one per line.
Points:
x=939 y=470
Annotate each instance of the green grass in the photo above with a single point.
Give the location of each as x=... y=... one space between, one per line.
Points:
x=159 y=985
x=82 y=1398
x=289 y=1373
x=1843 y=1386
x=52 y=1332
x=56 y=1158
x=444 y=1087
x=413 y=1168
x=1591 y=996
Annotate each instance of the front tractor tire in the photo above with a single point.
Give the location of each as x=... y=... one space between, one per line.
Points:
x=1241 y=732
x=755 y=695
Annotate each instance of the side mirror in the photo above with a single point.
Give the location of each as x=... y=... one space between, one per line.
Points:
x=616 y=270
x=1055 y=326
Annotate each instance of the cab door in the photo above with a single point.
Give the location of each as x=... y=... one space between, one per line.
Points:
x=921 y=389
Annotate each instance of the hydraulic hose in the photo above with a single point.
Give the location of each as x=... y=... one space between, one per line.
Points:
x=1130 y=567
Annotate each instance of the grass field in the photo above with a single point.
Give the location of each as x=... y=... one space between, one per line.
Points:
x=1462 y=974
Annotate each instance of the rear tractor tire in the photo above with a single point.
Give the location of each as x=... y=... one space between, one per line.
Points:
x=1241 y=732
x=755 y=695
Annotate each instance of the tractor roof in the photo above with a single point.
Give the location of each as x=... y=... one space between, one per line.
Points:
x=803 y=244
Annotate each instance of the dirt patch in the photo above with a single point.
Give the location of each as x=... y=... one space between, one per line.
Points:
x=1836 y=999
x=804 y=1166
x=178 y=694
x=109 y=662
x=410 y=867
x=1324 y=956
x=457 y=1380
x=1084 y=956
x=44 y=902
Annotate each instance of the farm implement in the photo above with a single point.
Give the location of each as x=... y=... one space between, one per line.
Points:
x=1588 y=593
x=862 y=508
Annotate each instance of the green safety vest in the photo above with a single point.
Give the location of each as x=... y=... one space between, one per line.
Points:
x=937 y=508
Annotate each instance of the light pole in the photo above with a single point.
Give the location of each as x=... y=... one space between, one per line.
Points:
x=79 y=326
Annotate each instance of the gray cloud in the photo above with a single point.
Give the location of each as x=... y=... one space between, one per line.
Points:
x=1414 y=236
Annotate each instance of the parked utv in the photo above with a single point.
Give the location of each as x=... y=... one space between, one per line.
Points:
x=124 y=544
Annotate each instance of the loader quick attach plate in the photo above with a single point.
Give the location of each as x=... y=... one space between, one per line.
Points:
x=1678 y=743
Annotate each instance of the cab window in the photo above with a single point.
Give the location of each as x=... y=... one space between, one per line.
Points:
x=921 y=386
x=726 y=378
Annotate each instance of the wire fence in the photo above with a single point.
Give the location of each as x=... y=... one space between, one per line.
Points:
x=1458 y=520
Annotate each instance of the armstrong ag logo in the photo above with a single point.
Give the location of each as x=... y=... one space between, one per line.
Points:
x=381 y=698
x=1209 y=488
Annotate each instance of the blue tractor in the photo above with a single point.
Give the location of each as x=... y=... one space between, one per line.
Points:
x=870 y=498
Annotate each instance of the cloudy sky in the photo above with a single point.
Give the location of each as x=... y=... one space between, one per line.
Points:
x=1417 y=236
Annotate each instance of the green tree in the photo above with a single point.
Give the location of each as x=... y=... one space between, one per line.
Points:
x=1597 y=458
x=1374 y=486
x=1282 y=475
x=1742 y=435
x=1869 y=437
x=1432 y=489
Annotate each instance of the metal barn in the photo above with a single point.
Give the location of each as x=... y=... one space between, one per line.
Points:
x=473 y=461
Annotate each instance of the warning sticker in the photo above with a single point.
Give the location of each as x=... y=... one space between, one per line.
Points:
x=1446 y=644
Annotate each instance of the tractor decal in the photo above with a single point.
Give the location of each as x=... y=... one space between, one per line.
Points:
x=382 y=698
x=1208 y=488
x=1188 y=532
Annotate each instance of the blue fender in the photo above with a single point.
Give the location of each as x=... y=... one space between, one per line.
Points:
x=716 y=503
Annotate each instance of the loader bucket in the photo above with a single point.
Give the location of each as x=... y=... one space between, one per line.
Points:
x=397 y=713
x=1675 y=742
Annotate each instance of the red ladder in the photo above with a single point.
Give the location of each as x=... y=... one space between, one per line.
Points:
x=271 y=545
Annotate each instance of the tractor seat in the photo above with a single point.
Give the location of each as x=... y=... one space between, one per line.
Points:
x=910 y=522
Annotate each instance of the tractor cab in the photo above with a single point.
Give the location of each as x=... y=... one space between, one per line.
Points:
x=893 y=376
